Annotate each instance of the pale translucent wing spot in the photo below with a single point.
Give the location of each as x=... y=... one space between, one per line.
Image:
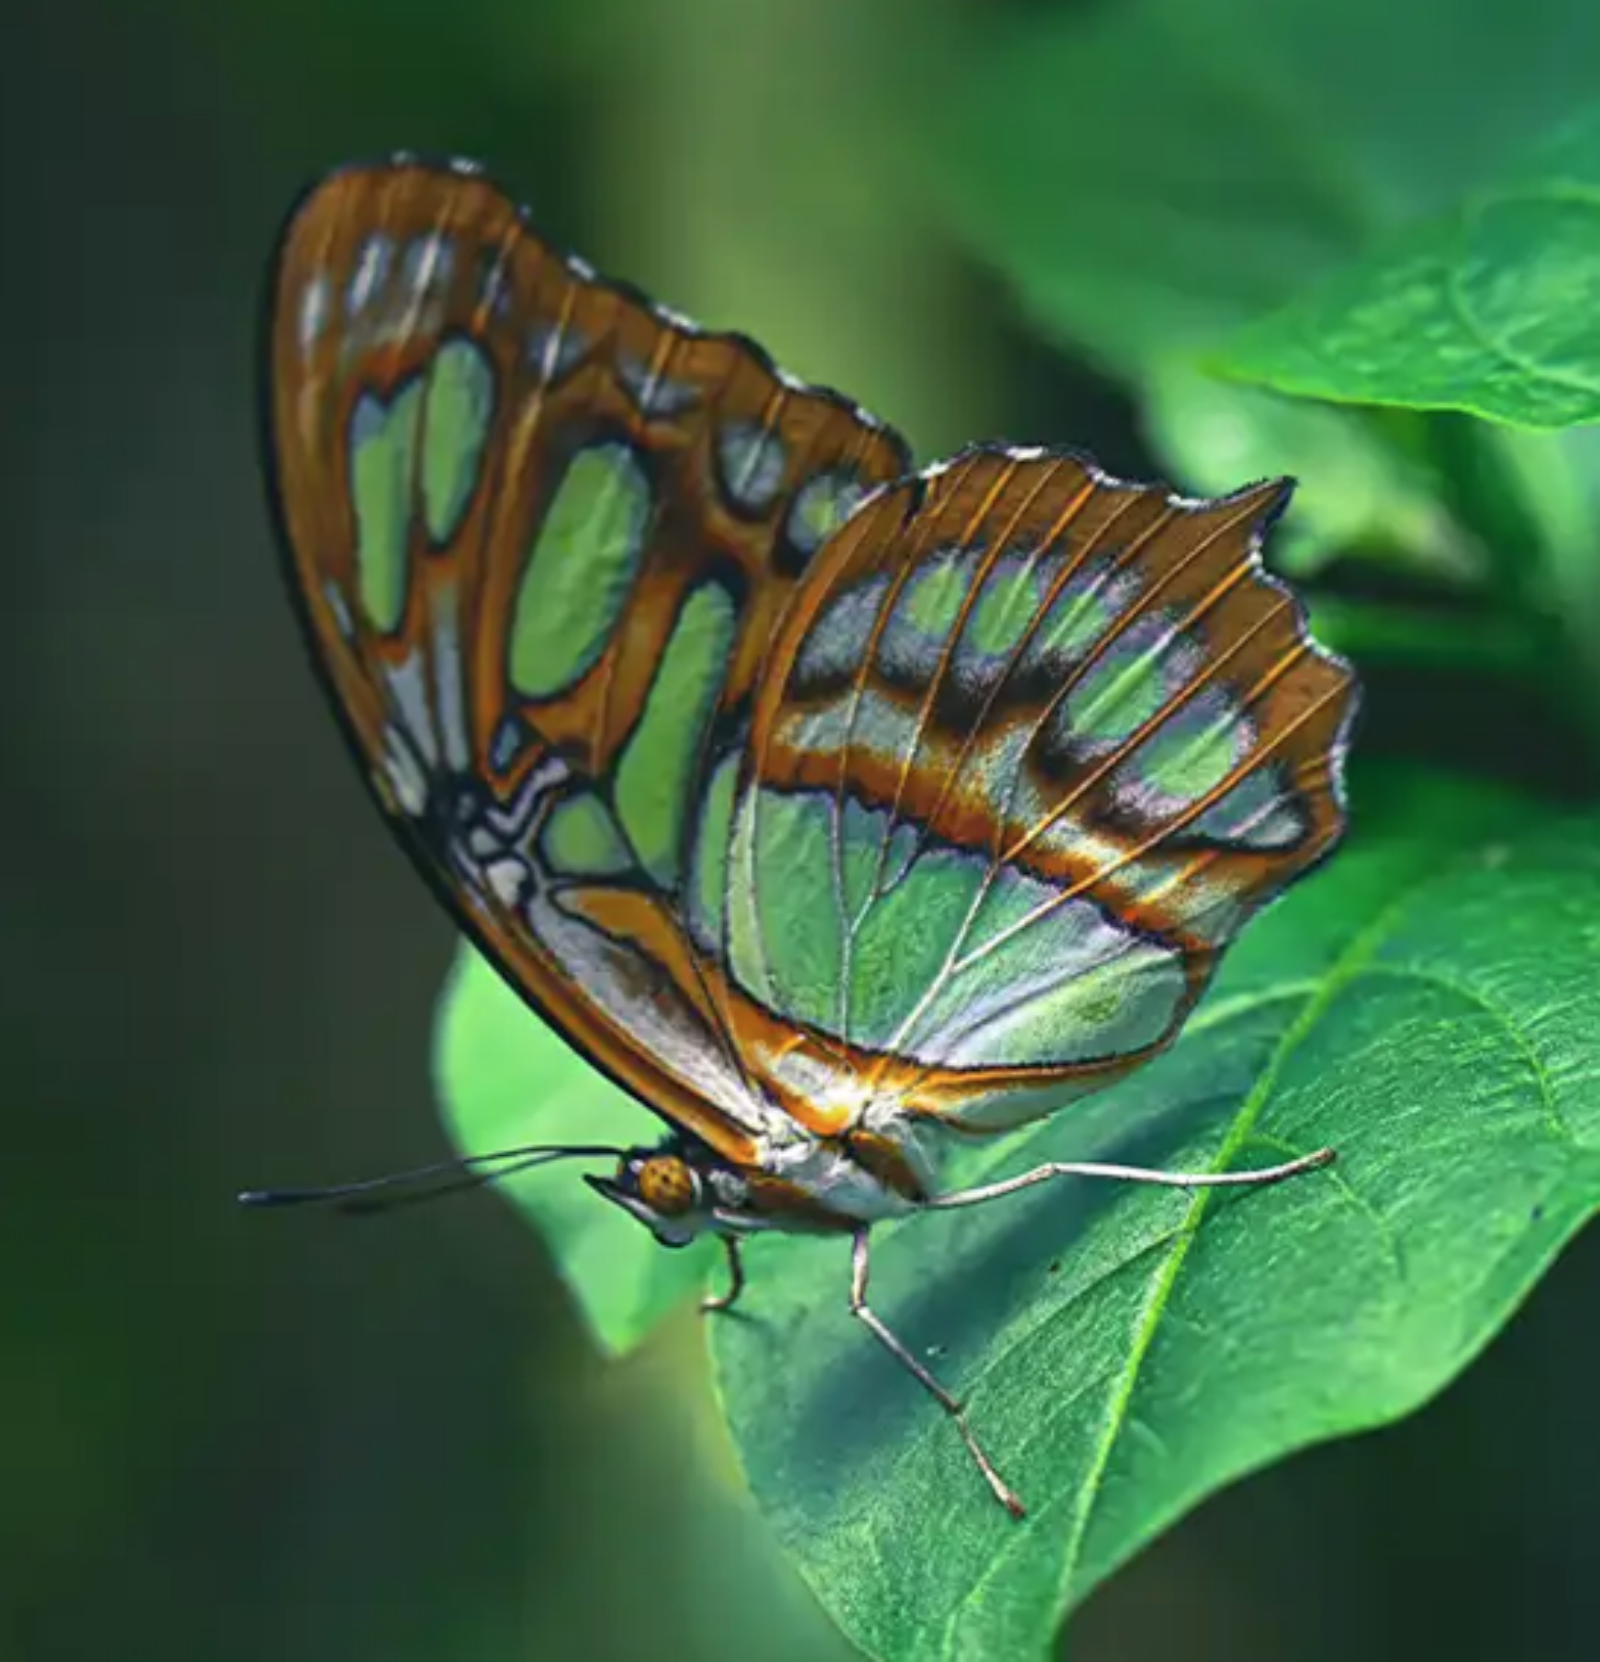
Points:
x=511 y=740
x=820 y=507
x=873 y=725
x=861 y=833
x=835 y=647
x=655 y=395
x=455 y=431
x=427 y=265
x=899 y=850
x=904 y=940
x=746 y=949
x=1184 y=759
x=409 y=699
x=1128 y=685
x=822 y=731
x=403 y=301
x=480 y=844
x=994 y=770
x=581 y=838
x=382 y=445
x=884 y=730
x=657 y=767
x=403 y=773
x=373 y=266
x=495 y=300
x=925 y=611
x=343 y=619
x=1045 y=977
x=999 y=623
x=751 y=459
x=1020 y=1010
x=710 y=871
x=802 y=929
x=581 y=571
x=449 y=676
x=1083 y=610
x=555 y=349
x=1261 y=811
x=315 y=304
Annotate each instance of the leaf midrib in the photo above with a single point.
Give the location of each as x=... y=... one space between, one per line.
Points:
x=1322 y=989
x=1339 y=974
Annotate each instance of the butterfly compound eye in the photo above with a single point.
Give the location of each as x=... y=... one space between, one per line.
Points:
x=667 y=1186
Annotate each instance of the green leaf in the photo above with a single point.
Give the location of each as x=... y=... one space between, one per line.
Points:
x=1556 y=478
x=1127 y=1351
x=1487 y=308
x=1153 y=175
x=507 y=1079
x=1358 y=492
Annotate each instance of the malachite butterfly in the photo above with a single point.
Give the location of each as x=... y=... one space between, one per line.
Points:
x=834 y=809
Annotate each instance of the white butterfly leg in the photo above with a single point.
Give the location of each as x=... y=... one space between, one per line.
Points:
x=859 y=1308
x=1261 y=1176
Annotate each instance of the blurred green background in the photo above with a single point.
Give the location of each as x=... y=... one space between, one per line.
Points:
x=251 y=1436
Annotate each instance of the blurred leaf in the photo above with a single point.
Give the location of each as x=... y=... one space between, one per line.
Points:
x=1360 y=492
x=1431 y=1013
x=1495 y=641
x=1554 y=478
x=1153 y=175
x=507 y=1079
x=1488 y=308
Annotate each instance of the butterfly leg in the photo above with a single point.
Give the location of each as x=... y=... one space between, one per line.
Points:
x=1258 y=1178
x=863 y=1312
x=727 y=1300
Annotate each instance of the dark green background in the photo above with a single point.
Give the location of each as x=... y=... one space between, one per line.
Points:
x=247 y=1436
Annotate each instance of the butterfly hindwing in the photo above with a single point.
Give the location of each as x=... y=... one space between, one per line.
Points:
x=1031 y=747
x=541 y=533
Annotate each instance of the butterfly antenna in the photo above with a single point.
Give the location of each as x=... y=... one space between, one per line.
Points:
x=430 y=1182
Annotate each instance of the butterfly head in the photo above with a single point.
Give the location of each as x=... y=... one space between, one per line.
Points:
x=663 y=1189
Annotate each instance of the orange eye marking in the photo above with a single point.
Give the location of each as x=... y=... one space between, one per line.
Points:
x=667 y=1186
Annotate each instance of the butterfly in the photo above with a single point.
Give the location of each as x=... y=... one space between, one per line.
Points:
x=838 y=811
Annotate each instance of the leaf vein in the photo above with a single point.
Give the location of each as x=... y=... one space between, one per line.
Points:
x=1554 y=1117
x=1344 y=968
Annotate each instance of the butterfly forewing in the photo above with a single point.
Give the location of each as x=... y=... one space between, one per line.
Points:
x=1031 y=747
x=542 y=533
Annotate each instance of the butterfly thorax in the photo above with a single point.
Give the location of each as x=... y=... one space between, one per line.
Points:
x=804 y=1184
